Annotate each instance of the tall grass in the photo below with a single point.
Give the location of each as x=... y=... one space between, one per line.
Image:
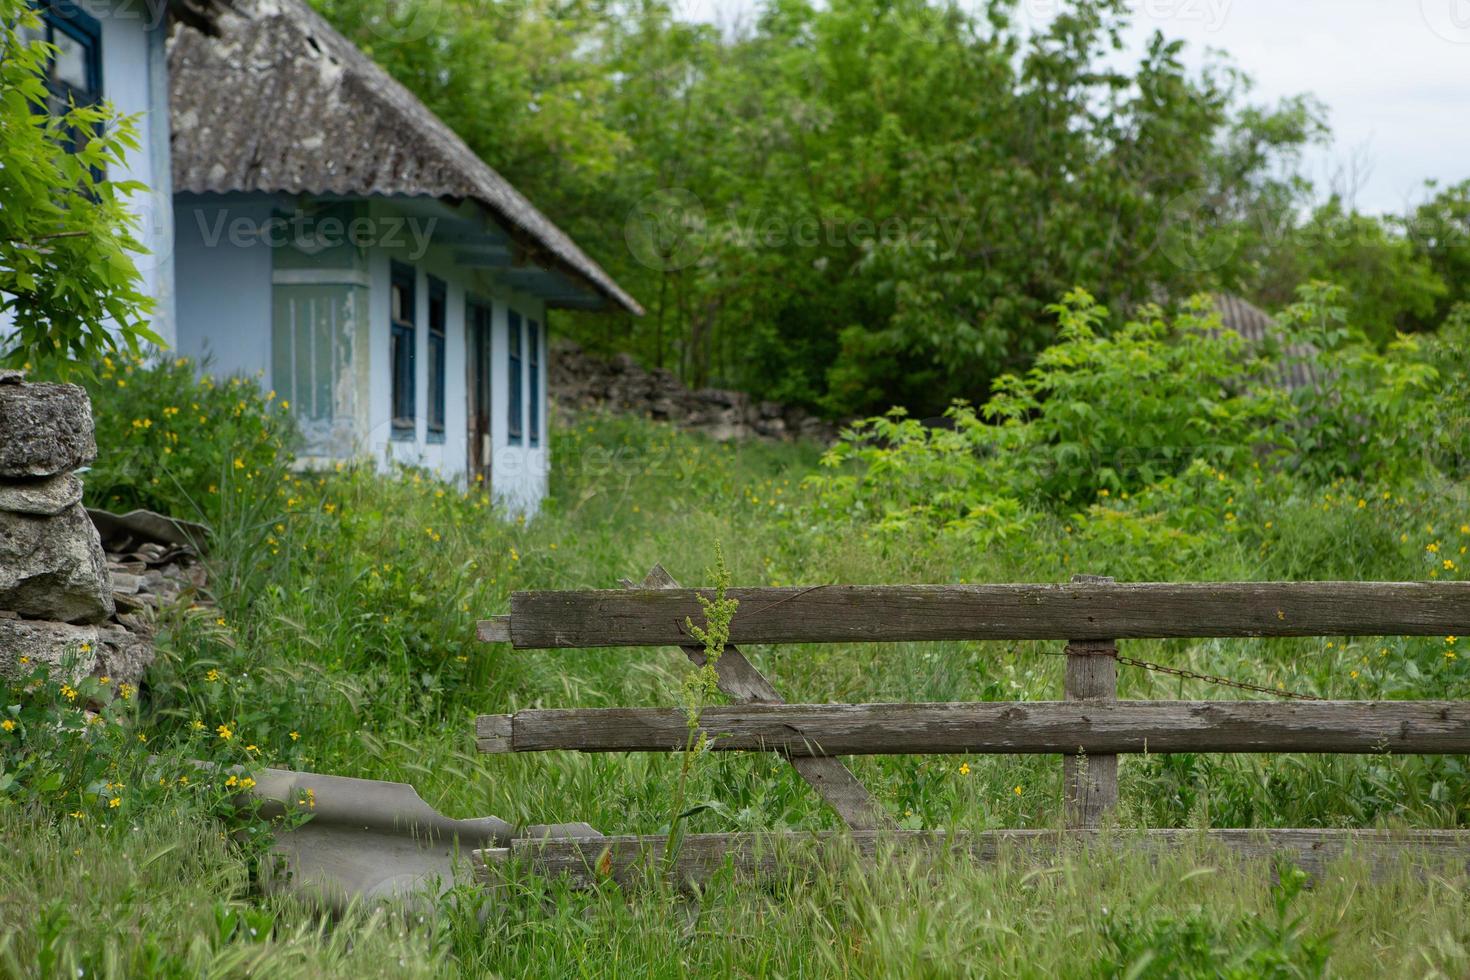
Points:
x=344 y=642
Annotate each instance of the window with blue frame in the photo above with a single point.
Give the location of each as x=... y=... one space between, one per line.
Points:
x=74 y=71
x=401 y=356
x=438 y=314
x=513 y=379
x=533 y=359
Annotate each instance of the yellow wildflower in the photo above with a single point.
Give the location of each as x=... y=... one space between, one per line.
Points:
x=8 y=725
x=964 y=768
x=225 y=732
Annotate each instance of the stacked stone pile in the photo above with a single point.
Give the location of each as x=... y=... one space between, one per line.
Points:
x=579 y=382
x=56 y=587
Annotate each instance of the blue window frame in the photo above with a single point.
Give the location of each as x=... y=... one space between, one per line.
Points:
x=74 y=71
x=438 y=315
x=401 y=356
x=533 y=359
x=513 y=387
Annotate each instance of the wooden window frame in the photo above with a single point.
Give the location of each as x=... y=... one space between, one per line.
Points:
x=403 y=339
x=515 y=388
x=438 y=320
x=533 y=386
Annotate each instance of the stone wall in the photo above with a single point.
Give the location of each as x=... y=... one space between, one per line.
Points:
x=579 y=381
x=56 y=589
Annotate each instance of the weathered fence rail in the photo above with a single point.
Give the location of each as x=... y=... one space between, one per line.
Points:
x=1089 y=729
x=891 y=613
x=1056 y=727
x=588 y=860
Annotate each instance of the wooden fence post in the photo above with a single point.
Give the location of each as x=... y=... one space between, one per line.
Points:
x=1090 y=783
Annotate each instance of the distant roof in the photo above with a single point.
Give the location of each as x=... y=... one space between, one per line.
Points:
x=1256 y=325
x=266 y=96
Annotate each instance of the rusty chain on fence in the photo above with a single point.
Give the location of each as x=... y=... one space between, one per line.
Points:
x=1222 y=681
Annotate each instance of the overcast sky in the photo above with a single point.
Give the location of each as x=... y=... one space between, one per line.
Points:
x=1394 y=74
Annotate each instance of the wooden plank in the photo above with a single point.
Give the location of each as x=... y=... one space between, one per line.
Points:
x=1021 y=727
x=1090 y=782
x=859 y=613
x=739 y=680
x=627 y=859
x=496 y=629
x=493 y=733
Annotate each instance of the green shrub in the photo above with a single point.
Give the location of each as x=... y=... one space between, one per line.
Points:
x=1371 y=414
x=1098 y=415
x=172 y=440
x=76 y=750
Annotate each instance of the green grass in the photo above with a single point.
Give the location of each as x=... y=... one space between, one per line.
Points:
x=348 y=603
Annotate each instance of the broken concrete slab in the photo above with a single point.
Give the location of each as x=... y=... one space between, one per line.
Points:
x=44 y=497
x=366 y=839
x=123 y=532
x=45 y=429
x=54 y=567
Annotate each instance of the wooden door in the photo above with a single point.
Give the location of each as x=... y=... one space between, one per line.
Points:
x=481 y=447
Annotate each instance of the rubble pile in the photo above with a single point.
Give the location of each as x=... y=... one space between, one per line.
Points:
x=65 y=602
x=579 y=381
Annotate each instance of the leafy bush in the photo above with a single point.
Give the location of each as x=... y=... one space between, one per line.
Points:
x=68 y=283
x=1370 y=414
x=1099 y=414
x=74 y=749
x=1157 y=437
x=1118 y=411
x=172 y=440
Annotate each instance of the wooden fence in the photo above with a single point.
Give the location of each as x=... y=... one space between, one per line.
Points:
x=1089 y=728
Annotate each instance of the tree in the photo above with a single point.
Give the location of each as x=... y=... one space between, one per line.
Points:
x=864 y=202
x=68 y=284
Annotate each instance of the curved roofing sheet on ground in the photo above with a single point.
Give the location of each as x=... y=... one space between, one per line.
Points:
x=275 y=100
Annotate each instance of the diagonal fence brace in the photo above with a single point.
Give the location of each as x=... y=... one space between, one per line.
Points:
x=739 y=679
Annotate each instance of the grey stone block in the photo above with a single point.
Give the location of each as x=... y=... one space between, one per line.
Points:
x=54 y=567
x=45 y=429
x=45 y=497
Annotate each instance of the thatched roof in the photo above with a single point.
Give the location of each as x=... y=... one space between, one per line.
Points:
x=1256 y=325
x=266 y=96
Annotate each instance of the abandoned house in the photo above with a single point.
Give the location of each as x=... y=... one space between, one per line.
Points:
x=315 y=226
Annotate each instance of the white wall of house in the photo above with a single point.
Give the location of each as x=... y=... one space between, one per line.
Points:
x=223 y=299
x=519 y=471
x=227 y=276
x=135 y=81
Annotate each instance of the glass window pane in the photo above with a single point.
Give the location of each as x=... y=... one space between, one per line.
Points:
x=71 y=63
